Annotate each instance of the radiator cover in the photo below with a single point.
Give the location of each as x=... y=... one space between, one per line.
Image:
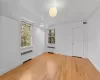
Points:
x=26 y=52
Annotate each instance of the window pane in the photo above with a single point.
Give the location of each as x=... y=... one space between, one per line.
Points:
x=49 y=33
x=51 y=36
x=49 y=40
x=25 y=35
x=53 y=40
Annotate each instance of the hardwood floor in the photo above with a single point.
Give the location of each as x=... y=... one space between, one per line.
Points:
x=54 y=67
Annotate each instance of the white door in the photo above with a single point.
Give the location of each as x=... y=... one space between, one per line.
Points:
x=77 y=42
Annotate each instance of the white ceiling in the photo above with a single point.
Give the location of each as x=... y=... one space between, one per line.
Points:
x=68 y=10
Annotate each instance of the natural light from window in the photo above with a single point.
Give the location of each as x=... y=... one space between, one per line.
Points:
x=26 y=36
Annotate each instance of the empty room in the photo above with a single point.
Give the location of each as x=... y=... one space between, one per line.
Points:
x=49 y=39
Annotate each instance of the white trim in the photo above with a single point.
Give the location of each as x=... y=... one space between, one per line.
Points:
x=10 y=18
x=93 y=13
x=39 y=54
x=65 y=23
x=3 y=71
x=26 y=47
x=32 y=24
x=83 y=41
x=27 y=21
x=98 y=68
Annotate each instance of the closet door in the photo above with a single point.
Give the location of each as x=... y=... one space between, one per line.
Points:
x=77 y=42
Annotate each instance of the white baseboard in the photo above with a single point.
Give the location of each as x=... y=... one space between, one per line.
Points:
x=37 y=55
x=3 y=71
x=91 y=60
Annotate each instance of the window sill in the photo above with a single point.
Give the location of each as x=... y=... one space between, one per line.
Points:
x=26 y=47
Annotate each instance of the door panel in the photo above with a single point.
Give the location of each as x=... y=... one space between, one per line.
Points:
x=77 y=43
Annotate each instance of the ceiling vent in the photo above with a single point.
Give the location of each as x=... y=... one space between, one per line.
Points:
x=84 y=22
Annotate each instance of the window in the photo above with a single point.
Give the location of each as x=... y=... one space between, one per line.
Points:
x=51 y=36
x=26 y=36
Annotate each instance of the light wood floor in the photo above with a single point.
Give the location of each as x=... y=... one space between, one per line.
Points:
x=54 y=67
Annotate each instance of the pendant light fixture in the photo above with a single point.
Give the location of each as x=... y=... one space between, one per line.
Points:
x=53 y=11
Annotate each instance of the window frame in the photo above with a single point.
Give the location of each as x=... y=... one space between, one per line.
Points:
x=30 y=23
x=51 y=36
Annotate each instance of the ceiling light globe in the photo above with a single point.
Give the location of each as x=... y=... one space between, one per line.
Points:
x=53 y=11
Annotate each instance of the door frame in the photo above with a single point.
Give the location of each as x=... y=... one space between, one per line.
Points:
x=83 y=40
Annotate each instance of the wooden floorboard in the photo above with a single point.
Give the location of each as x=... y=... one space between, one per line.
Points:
x=54 y=67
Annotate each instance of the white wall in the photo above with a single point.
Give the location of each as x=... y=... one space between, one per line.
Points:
x=9 y=46
x=10 y=52
x=64 y=38
x=0 y=40
x=38 y=41
x=94 y=39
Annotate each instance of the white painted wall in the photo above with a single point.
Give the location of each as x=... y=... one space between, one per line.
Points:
x=38 y=41
x=10 y=52
x=64 y=38
x=94 y=39
x=9 y=46
x=0 y=40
